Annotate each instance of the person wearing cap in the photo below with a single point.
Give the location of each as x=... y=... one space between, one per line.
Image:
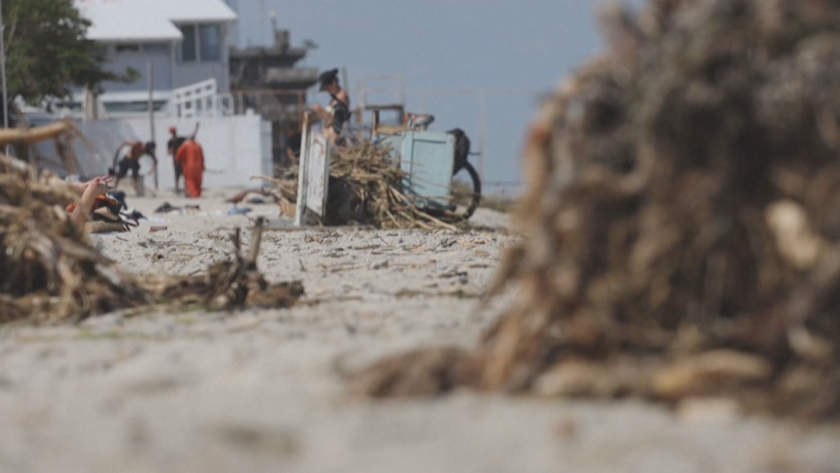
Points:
x=172 y=147
x=337 y=114
x=131 y=160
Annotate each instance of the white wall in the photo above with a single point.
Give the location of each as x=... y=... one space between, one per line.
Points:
x=235 y=148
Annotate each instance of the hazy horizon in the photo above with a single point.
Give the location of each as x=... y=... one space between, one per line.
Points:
x=444 y=44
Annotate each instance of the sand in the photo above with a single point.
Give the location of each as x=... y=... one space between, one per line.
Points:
x=261 y=391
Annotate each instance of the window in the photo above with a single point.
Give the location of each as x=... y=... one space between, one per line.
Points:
x=128 y=48
x=210 y=43
x=156 y=48
x=188 y=46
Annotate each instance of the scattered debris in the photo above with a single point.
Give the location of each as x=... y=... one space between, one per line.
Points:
x=231 y=284
x=682 y=222
x=240 y=197
x=166 y=207
x=52 y=273
x=239 y=210
x=365 y=187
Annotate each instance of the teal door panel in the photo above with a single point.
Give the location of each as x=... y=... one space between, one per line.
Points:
x=428 y=158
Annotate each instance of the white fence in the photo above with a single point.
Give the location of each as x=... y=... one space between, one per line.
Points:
x=200 y=100
x=235 y=148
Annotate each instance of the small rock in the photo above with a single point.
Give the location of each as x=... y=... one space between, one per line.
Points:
x=566 y=428
x=380 y=265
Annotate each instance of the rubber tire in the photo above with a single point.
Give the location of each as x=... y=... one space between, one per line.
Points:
x=476 y=181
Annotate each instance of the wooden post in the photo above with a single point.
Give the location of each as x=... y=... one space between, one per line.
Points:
x=481 y=132
x=374 y=124
x=360 y=121
x=301 y=104
x=6 y=107
x=300 y=205
x=151 y=81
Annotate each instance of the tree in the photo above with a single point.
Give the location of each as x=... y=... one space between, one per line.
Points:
x=48 y=52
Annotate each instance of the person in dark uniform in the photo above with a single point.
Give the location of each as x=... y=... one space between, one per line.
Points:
x=337 y=114
x=172 y=147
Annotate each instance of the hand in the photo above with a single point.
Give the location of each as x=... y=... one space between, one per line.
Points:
x=152 y=171
x=97 y=186
x=100 y=182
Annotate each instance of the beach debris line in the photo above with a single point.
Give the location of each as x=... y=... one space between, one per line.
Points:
x=232 y=284
x=681 y=222
x=52 y=273
x=365 y=187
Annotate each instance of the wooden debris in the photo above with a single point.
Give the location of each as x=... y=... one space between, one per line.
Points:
x=682 y=219
x=365 y=187
x=51 y=272
x=231 y=284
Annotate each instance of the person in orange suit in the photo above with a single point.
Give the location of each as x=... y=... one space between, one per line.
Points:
x=191 y=158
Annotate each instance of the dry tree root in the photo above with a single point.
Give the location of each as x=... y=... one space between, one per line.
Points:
x=681 y=220
x=51 y=273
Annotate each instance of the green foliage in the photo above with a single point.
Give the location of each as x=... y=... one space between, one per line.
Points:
x=48 y=53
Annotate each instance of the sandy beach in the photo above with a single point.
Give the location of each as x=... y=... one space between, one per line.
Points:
x=261 y=391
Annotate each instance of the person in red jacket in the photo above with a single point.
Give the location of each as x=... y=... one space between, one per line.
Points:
x=191 y=158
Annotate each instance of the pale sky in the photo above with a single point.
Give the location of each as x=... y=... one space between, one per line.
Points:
x=446 y=44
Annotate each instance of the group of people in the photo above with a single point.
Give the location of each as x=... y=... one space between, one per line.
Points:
x=188 y=155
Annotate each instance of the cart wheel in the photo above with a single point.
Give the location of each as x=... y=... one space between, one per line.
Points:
x=466 y=193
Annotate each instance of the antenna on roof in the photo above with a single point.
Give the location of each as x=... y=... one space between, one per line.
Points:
x=262 y=22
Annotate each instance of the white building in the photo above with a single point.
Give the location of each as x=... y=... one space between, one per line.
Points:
x=187 y=42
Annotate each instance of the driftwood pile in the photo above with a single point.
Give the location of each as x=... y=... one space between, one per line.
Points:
x=365 y=187
x=51 y=272
x=681 y=221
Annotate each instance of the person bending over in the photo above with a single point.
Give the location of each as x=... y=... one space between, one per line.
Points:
x=131 y=160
